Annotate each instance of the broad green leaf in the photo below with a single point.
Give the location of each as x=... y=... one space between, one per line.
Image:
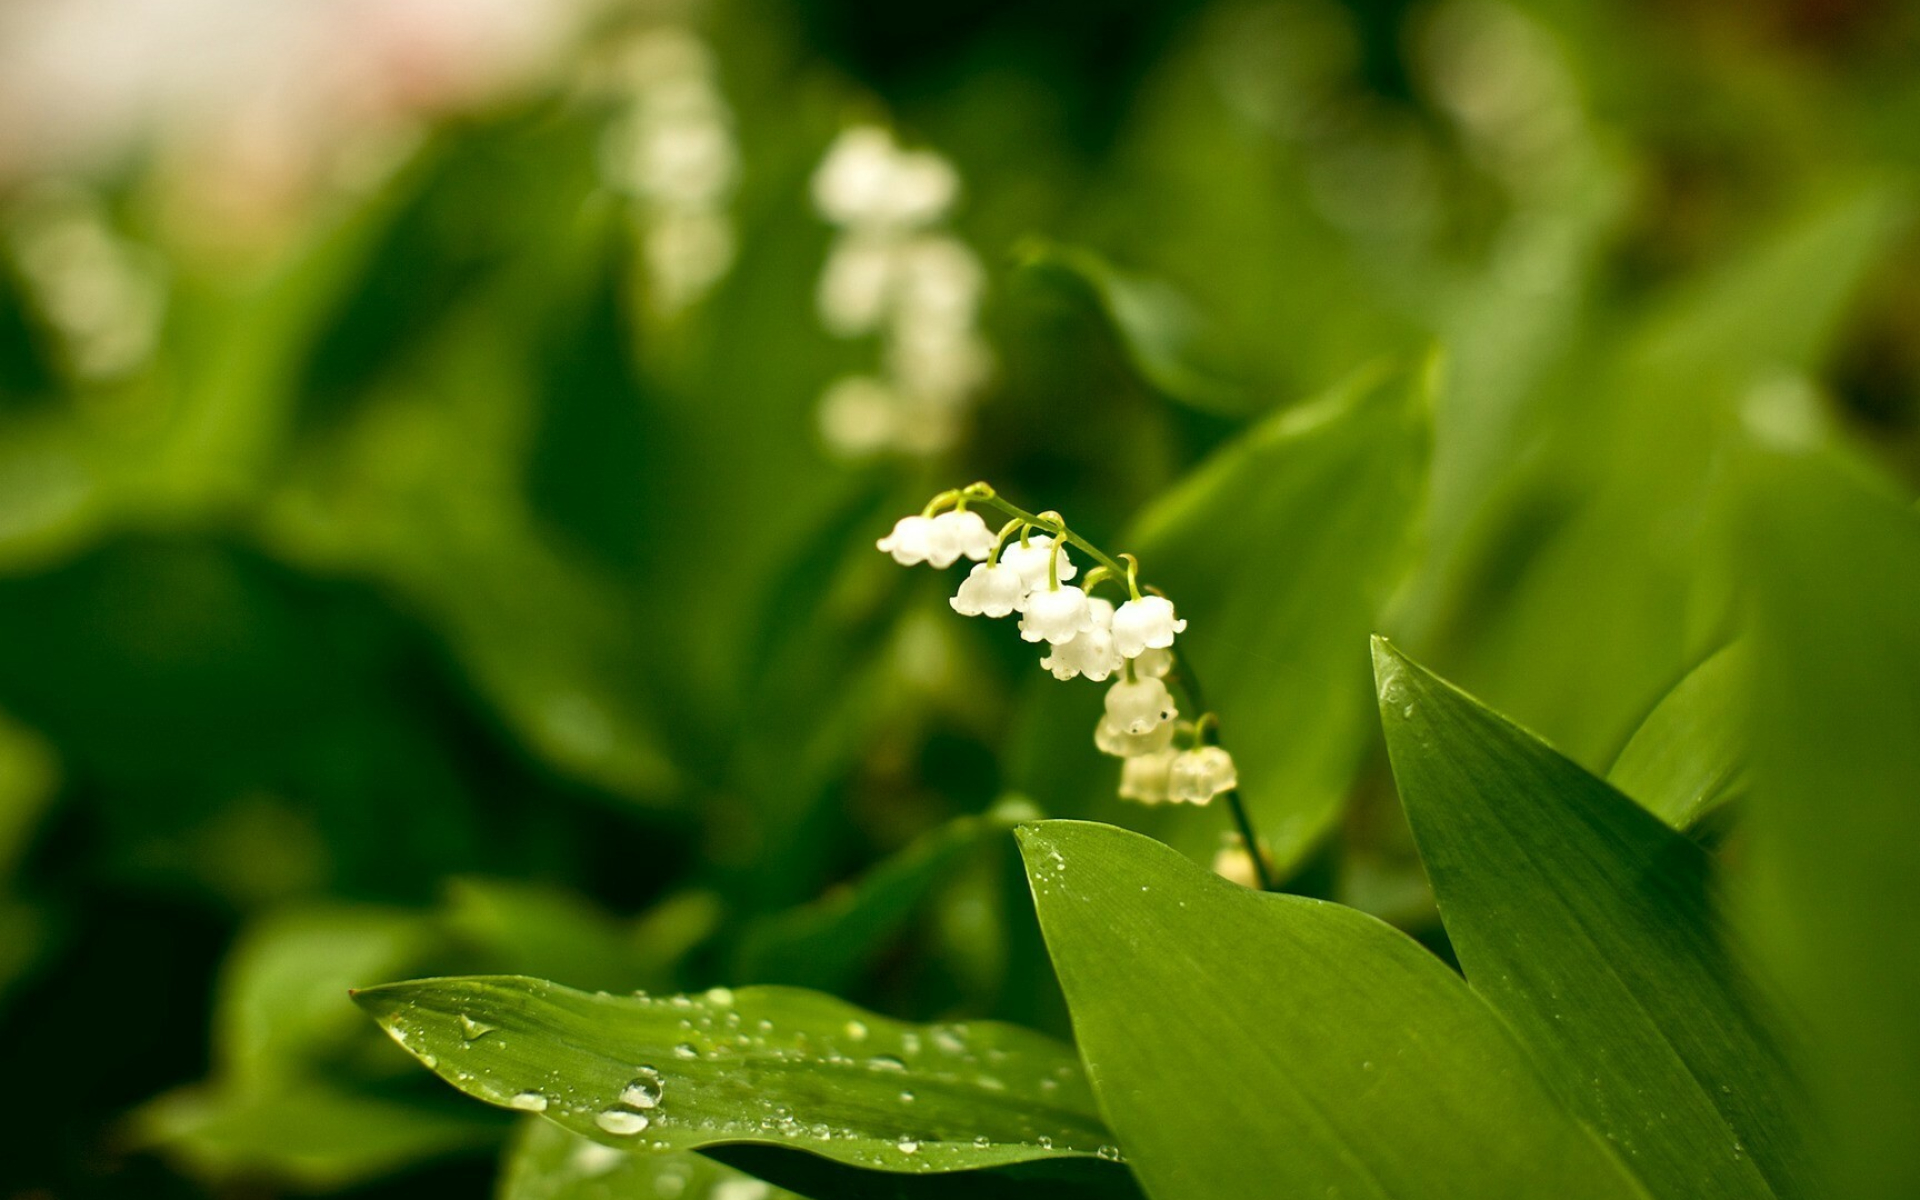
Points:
x=545 y=1162
x=1280 y=551
x=1835 y=566
x=310 y=1134
x=770 y=1065
x=1163 y=335
x=826 y=944
x=1689 y=757
x=1589 y=925
x=1250 y=1044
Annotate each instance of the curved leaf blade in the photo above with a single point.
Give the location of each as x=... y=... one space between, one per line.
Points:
x=1248 y=1044
x=771 y=1065
x=1589 y=925
x=1688 y=759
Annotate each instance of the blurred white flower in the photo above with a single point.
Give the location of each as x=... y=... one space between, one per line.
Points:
x=1200 y=774
x=891 y=273
x=1143 y=777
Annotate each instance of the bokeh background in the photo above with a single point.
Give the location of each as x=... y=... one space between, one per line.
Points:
x=442 y=442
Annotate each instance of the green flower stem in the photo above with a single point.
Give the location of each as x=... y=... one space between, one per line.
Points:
x=983 y=494
x=1238 y=808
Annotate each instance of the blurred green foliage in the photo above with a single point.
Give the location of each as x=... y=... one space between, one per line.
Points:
x=417 y=596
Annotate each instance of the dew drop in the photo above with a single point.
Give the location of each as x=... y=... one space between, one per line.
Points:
x=886 y=1062
x=685 y=1050
x=982 y=1142
x=644 y=1091
x=621 y=1124
x=472 y=1029
x=906 y=1097
x=529 y=1102
x=1046 y=1143
x=857 y=1030
x=720 y=996
x=1110 y=1153
x=909 y=1146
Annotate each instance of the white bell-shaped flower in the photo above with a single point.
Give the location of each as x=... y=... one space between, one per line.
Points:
x=1201 y=774
x=1153 y=663
x=1146 y=623
x=1137 y=705
x=1030 y=559
x=1091 y=651
x=1055 y=615
x=1112 y=739
x=956 y=534
x=1144 y=777
x=911 y=542
x=989 y=590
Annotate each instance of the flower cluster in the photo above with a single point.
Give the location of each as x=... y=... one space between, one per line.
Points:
x=894 y=272
x=670 y=146
x=1026 y=568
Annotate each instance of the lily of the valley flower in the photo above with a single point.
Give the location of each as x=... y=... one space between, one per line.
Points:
x=1056 y=615
x=1139 y=705
x=1145 y=623
x=1091 y=651
x=990 y=590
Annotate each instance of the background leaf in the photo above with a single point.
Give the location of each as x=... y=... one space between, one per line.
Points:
x=1248 y=1044
x=1280 y=550
x=1835 y=565
x=1589 y=925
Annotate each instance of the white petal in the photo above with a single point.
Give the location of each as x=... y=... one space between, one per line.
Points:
x=910 y=542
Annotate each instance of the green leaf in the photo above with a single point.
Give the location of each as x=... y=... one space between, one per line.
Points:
x=1835 y=566
x=1590 y=926
x=545 y=1162
x=1247 y=1044
x=1164 y=336
x=771 y=1065
x=1280 y=551
x=1689 y=757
